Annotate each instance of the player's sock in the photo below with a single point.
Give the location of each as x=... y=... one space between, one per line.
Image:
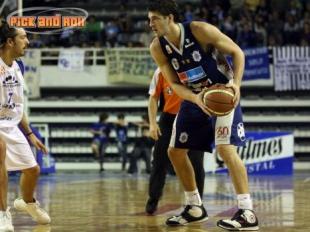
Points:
x=244 y=201
x=193 y=198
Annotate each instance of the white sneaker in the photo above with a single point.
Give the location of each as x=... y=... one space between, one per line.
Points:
x=6 y=221
x=38 y=214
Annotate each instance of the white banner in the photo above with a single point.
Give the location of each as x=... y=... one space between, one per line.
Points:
x=291 y=68
x=32 y=63
x=71 y=60
x=129 y=66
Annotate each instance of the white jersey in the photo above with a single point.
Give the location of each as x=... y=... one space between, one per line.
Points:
x=11 y=94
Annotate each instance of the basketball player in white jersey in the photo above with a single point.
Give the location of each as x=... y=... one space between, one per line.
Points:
x=15 y=152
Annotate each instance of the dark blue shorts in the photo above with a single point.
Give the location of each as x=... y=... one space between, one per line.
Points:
x=193 y=129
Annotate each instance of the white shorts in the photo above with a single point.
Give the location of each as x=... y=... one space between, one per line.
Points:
x=19 y=155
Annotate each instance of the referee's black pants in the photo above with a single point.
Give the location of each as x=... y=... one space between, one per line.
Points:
x=161 y=160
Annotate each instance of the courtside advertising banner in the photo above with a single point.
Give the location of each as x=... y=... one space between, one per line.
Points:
x=265 y=153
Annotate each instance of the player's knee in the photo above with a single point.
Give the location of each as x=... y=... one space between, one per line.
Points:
x=2 y=151
x=227 y=152
x=176 y=153
x=171 y=152
x=34 y=171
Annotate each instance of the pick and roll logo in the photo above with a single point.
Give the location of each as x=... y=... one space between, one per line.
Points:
x=47 y=20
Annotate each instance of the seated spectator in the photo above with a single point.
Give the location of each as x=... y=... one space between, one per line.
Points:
x=142 y=147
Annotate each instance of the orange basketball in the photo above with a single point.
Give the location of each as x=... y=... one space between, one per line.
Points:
x=219 y=99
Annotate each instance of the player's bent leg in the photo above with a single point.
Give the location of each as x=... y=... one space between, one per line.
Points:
x=244 y=218
x=27 y=203
x=194 y=210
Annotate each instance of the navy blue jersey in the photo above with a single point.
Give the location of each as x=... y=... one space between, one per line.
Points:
x=195 y=67
x=121 y=133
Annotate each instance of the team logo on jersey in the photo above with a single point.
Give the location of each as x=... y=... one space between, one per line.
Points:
x=175 y=63
x=168 y=49
x=183 y=137
x=188 y=43
x=240 y=131
x=169 y=90
x=9 y=80
x=196 y=56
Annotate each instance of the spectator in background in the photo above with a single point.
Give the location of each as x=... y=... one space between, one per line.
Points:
x=101 y=131
x=251 y=4
x=36 y=41
x=188 y=12
x=93 y=29
x=111 y=32
x=146 y=36
x=291 y=30
x=66 y=37
x=121 y=129
x=229 y=28
x=246 y=37
x=260 y=31
x=142 y=147
x=305 y=34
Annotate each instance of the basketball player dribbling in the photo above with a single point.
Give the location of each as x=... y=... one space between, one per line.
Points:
x=15 y=152
x=190 y=55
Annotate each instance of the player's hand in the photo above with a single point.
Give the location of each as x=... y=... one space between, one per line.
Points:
x=199 y=102
x=154 y=132
x=37 y=143
x=236 y=89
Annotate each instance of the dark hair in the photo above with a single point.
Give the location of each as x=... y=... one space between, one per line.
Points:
x=121 y=116
x=165 y=8
x=103 y=117
x=6 y=32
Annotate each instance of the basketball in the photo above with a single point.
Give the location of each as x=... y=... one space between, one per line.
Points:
x=219 y=99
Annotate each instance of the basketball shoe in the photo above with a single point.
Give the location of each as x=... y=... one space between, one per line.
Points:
x=244 y=219
x=191 y=213
x=6 y=221
x=38 y=214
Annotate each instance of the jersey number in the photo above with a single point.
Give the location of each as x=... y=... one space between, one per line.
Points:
x=10 y=97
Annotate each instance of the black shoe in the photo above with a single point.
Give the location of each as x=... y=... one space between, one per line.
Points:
x=188 y=216
x=244 y=219
x=151 y=206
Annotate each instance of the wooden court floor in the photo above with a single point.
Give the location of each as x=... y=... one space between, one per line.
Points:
x=112 y=201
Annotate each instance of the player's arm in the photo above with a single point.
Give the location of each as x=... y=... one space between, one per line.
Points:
x=208 y=34
x=155 y=90
x=24 y=123
x=152 y=111
x=171 y=76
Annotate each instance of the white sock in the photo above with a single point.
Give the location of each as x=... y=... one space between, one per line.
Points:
x=244 y=201
x=192 y=198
